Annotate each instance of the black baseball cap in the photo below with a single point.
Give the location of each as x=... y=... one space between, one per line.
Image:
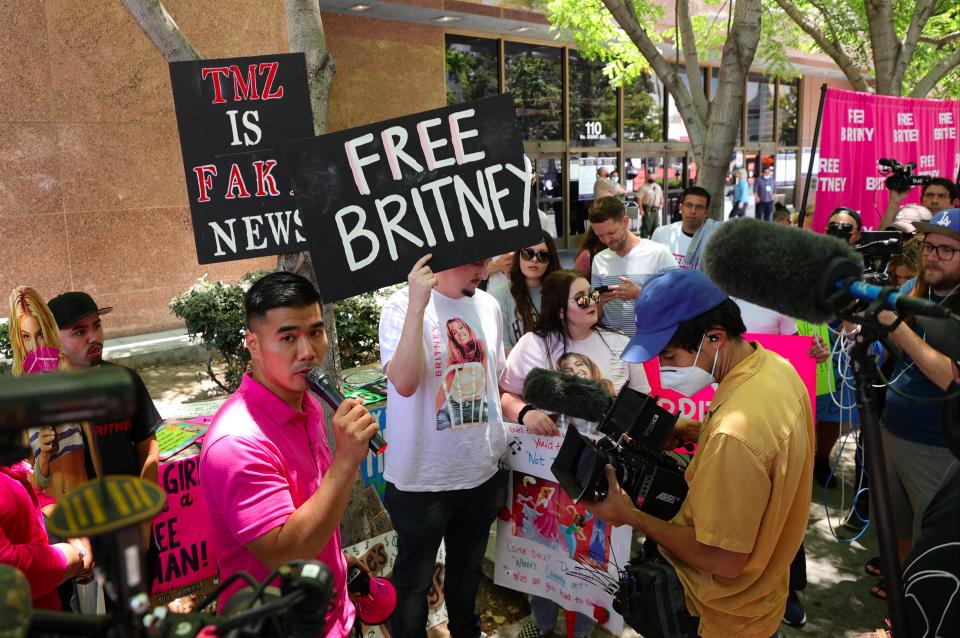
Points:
x=70 y=307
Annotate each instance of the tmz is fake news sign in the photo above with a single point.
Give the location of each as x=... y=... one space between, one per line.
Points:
x=451 y=182
x=233 y=115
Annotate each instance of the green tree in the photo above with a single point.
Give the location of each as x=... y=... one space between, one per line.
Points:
x=623 y=34
x=892 y=47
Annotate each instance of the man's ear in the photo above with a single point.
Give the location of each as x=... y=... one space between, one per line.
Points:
x=251 y=341
x=717 y=336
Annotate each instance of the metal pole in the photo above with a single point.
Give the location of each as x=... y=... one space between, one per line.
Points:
x=877 y=470
x=813 y=153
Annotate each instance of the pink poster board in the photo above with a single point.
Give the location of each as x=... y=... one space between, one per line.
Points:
x=791 y=347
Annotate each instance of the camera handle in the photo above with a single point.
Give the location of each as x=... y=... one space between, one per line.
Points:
x=864 y=373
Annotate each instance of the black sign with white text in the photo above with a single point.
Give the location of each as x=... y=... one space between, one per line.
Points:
x=451 y=182
x=233 y=116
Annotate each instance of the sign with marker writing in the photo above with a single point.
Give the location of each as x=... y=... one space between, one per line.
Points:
x=452 y=182
x=182 y=529
x=233 y=116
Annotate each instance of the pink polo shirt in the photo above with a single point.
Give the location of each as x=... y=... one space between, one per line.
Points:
x=260 y=461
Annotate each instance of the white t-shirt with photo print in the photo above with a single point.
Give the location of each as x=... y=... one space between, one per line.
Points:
x=597 y=357
x=449 y=434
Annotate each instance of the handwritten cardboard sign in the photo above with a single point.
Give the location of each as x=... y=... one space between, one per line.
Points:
x=451 y=182
x=233 y=115
x=547 y=545
x=182 y=529
x=826 y=379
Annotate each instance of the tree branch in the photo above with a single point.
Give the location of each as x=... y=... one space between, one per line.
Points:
x=160 y=28
x=885 y=46
x=696 y=126
x=691 y=60
x=934 y=75
x=921 y=13
x=940 y=42
x=846 y=64
x=305 y=33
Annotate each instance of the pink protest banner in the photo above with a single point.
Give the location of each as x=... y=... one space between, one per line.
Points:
x=793 y=348
x=182 y=529
x=859 y=129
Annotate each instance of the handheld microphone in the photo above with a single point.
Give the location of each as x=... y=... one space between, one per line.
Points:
x=320 y=383
x=798 y=273
x=566 y=394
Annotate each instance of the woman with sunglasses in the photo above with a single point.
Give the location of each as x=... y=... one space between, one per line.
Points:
x=569 y=324
x=519 y=297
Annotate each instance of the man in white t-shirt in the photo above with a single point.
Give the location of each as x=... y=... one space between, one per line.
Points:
x=687 y=237
x=442 y=352
x=625 y=265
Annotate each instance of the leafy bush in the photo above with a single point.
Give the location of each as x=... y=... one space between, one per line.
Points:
x=6 y=351
x=214 y=315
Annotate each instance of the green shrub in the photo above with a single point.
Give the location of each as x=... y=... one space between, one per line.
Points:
x=214 y=315
x=6 y=351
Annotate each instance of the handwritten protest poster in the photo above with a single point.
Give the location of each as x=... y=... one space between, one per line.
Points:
x=793 y=348
x=452 y=182
x=182 y=530
x=826 y=379
x=371 y=470
x=379 y=554
x=549 y=546
x=233 y=115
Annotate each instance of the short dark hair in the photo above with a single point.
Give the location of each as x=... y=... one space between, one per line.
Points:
x=606 y=209
x=946 y=183
x=847 y=211
x=690 y=333
x=279 y=290
x=698 y=191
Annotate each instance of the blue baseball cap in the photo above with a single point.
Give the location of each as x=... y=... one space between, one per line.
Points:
x=946 y=222
x=668 y=299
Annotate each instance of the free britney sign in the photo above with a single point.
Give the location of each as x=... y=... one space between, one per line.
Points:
x=233 y=115
x=451 y=182
x=861 y=128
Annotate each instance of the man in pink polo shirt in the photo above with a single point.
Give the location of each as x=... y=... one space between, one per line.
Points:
x=274 y=491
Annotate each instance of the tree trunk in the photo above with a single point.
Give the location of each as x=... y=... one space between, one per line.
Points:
x=884 y=45
x=727 y=106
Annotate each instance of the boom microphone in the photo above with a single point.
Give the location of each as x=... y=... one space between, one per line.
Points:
x=798 y=273
x=320 y=383
x=566 y=394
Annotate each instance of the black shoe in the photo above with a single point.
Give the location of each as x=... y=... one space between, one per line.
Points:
x=794 y=615
x=822 y=473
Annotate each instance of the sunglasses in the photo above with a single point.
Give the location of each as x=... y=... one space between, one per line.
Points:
x=542 y=256
x=847 y=228
x=583 y=301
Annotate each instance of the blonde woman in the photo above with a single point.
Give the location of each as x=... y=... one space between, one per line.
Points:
x=58 y=463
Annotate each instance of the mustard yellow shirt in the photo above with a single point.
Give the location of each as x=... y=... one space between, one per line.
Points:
x=749 y=492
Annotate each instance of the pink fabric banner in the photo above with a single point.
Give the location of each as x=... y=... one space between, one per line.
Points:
x=858 y=129
x=793 y=348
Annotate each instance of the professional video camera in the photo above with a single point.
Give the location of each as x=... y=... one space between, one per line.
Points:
x=635 y=429
x=114 y=508
x=876 y=248
x=901 y=177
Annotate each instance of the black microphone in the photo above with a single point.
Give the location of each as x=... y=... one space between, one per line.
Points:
x=798 y=273
x=320 y=383
x=566 y=394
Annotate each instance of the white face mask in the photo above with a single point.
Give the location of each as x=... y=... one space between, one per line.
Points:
x=690 y=379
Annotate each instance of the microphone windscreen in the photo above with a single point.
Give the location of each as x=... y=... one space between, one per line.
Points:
x=779 y=267
x=566 y=394
x=15 y=603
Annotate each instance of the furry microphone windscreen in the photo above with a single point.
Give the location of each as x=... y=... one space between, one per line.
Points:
x=566 y=394
x=785 y=269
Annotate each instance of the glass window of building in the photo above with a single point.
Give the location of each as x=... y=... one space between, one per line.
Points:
x=759 y=109
x=534 y=76
x=593 y=104
x=676 y=128
x=643 y=109
x=789 y=107
x=473 y=68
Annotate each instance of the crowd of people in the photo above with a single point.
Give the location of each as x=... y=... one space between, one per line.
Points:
x=456 y=358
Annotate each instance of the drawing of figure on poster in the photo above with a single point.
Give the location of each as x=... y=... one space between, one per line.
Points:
x=599 y=552
x=462 y=400
x=573 y=533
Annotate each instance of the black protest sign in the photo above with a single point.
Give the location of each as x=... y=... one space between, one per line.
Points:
x=233 y=115
x=451 y=182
